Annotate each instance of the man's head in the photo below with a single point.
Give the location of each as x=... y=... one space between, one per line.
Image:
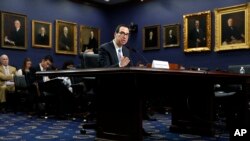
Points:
x=230 y=22
x=170 y=32
x=4 y=60
x=151 y=34
x=42 y=30
x=65 y=30
x=92 y=34
x=121 y=35
x=197 y=23
x=47 y=62
x=17 y=24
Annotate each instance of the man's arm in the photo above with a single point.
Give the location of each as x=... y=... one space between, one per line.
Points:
x=4 y=77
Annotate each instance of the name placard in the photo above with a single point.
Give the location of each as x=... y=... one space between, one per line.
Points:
x=160 y=64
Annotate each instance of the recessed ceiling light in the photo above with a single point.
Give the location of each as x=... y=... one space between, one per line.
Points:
x=106 y=0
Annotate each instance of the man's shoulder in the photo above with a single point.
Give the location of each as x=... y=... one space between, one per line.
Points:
x=36 y=68
x=107 y=45
x=12 y=67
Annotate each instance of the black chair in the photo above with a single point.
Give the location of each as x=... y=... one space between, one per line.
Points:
x=89 y=61
x=20 y=100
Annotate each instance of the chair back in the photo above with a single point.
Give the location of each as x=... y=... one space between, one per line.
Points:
x=20 y=82
x=89 y=60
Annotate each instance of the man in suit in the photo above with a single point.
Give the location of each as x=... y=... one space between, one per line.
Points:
x=42 y=38
x=114 y=53
x=231 y=34
x=16 y=37
x=6 y=79
x=151 y=39
x=197 y=36
x=171 y=38
x=54 y=87
x=65 y=42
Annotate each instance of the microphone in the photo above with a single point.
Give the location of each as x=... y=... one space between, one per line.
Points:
x=142 y=57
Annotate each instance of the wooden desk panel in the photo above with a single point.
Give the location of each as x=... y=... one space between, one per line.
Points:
x=192 y=93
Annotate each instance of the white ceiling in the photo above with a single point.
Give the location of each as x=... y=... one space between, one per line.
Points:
x=111 y=2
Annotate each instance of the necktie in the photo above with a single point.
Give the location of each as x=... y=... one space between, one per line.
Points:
x=6 y=69
x=119 y=54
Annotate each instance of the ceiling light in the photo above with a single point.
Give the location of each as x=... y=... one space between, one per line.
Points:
x=106 y=0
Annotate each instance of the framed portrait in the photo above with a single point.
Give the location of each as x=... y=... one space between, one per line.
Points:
x=66 y=37
x=13 y=31
x=151 y=37
x=171 y=35
x=197 y=32
x=232 y=27
x=89 y=39
x=41 y=34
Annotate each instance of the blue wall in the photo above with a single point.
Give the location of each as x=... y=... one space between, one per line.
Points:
x=164 y=12
x=50 y=10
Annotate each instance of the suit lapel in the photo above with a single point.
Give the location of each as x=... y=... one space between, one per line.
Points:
x=113 y=53
x=2 y=69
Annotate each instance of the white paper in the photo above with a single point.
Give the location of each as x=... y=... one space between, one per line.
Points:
x=9 y=83
x=160 y=64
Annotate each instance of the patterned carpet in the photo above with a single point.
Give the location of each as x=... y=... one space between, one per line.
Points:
x=20 y=127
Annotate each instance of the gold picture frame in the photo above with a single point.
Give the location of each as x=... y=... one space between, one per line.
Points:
x=66 y=37
x=151 y=37
x=171 y=35
x=14 y=31
x=41 y=34
x=89 y=39
x=197 y=32
x=232 y=27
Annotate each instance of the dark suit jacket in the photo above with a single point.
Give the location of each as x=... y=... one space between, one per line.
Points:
x=229 y=32
x=93 y=45
x=194 y=35
x=38 y=78
x=108 y=56
x=18 y=37
x=53 y=86
x=43 y=40
x=65 y=41
x=29 y=76
x=171 y=40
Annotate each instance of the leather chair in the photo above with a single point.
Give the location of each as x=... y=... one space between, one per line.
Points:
x=89 y=61
x=20 y=100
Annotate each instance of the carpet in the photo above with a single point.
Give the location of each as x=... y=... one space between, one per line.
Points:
x=20 y=127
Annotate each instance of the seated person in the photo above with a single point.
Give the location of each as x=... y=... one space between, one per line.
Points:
x=6 y=79
x=55 y=87
x=27 y=71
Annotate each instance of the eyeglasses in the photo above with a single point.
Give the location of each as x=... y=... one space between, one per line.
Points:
x=123 y=33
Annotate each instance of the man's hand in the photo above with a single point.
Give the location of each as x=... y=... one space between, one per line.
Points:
x=9 y=41
x=124 y=61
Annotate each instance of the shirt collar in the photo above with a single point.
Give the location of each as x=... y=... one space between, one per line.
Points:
x=116 y=46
